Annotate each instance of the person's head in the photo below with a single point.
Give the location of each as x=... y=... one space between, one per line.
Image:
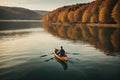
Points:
x=61 y=47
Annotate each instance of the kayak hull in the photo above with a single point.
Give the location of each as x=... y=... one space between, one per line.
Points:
x=61 y=58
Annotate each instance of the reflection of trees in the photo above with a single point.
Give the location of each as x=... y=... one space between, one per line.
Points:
x=77 y=32
x=105 y=39
x=62 y=31
x=104 y=36
x=93 y=32
x=115 y=39
x=85 y=32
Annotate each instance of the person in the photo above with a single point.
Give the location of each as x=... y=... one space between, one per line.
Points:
x=62 y=51
x=56 y=51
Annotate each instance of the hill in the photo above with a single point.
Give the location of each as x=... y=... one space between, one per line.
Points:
x=7 y=13
x=99 y=11
x=41 y=12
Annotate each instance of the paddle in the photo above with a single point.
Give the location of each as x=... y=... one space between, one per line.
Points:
x=49 y=59
x=46 y=55
x=73 y=53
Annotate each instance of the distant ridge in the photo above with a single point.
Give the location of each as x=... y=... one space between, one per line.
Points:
x=41 y=12
x=8 y=13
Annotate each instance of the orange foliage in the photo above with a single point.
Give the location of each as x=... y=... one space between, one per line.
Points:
x=62 y=17
x=99 y=11
x=87 y=14
x=116 y=12
x=105 y=11
x=78 y=13
x=95 y=11
x=71 y=16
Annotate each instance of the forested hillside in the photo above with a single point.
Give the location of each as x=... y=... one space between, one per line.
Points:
x=17 y=13
x=99 y=11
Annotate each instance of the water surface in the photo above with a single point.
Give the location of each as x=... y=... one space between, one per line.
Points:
x=26 y=54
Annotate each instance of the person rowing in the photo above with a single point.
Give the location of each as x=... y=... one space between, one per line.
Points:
x=60 y=54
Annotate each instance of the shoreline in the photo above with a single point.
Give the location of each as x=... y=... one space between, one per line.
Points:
x=13 y=20
x=91 y=24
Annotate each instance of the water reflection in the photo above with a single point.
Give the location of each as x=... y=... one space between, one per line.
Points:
x=13 y=34
x=26 y=54
x=103 y=38
x=64 y=64
x=8 y=25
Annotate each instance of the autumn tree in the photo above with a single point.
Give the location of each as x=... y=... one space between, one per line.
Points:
x=95 y=11
x=105 y=11
x=49 y=17
x=79 y=12
x=116 y=12
x=72 y=10
x=87 y=13
x=62 y=17
x=71 y=16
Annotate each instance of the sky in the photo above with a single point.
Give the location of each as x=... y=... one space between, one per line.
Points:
x=48 y=5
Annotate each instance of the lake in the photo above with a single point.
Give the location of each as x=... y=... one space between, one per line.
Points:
x=26 y=54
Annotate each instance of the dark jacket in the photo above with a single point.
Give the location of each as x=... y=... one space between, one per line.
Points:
x=62 y=52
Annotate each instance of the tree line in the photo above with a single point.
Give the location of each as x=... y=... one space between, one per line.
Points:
x=99 y=11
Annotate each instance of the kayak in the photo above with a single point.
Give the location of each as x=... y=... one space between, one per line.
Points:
x=63 y=64
x=61 y=58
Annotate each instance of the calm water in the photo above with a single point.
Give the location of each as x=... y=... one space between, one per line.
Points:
x=26 y=54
